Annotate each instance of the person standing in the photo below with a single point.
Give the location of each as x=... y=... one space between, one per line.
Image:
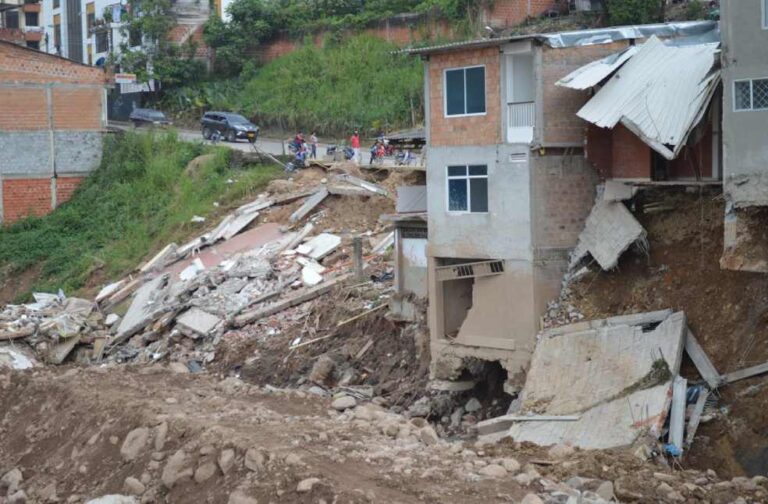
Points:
x=313 y=145
x=355 y=142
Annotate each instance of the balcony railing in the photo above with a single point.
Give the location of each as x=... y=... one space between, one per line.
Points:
x=521 y=114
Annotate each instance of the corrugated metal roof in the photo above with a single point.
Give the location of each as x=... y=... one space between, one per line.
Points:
x=592 y=74
x=660 y=94
x=579 y=37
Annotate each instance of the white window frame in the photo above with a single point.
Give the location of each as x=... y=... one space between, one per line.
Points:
x=445 y=92
x=765 y=14
x=466 y=178
x=751 y=94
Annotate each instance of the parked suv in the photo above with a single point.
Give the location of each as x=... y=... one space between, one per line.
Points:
x=150 y=117
x=230 y=126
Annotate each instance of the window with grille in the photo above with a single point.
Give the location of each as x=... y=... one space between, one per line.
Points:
x=465 y=91
x=750 y=94
x=102 y=41
x=468 y=188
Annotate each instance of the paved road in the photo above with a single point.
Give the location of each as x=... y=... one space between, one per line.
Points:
x=274 y=146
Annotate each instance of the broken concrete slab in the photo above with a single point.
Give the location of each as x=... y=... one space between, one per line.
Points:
x=109 y=290
x=411 y=199
x=58 y=352
x=255 y=206
x=161 y=259
x=338 y=189
x=309 y=205
x=700 y=359
x=677 y=413
x=16 y=357
x=451 y=386
x=192 y=270
x=239 y=223
x=745 y=373
x=609 y=230
x=320 y=246
x=384 y=245
x=198 y=321
x=310 y=277
x=616 y=377
x=147 y=305
x=368 y=186
x=615 y=190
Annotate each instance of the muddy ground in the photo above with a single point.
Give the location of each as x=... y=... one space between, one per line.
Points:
x=727 y=311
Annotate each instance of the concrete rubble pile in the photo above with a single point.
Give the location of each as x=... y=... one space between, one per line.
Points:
x=185 y=297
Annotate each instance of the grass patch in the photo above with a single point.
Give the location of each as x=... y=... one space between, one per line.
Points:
x=140 y=198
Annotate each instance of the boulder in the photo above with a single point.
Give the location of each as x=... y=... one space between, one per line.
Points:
x=134 y=443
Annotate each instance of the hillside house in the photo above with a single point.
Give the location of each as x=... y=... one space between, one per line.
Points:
x=508 y=186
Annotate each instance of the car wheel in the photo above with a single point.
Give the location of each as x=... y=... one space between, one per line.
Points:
x=231 y=136
x=207 y=133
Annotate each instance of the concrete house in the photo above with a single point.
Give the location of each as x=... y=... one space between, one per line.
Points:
x=508 y=187
x=745 y=137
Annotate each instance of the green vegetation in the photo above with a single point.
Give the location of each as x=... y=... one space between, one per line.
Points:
x=359 y=83
x=141 y=198
x=626 y=12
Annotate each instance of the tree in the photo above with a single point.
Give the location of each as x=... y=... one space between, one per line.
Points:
x=627 y=12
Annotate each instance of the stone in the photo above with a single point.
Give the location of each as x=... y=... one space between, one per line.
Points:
x=254 y=460
x=472 y=405
x=668 y=478
x=226 y=460
x=676 y=496
x=305 y=485
x=11 y=480
x=510 y=464
x=146 y=478
x=344 y=403
x=664 y=488
x=524 y=479
x=205 y=472
x=605 y=491
x=132 y=486
x=428 y=435
x=293 y=460
x=576 y=482
x=175 y=469
x=178 y=367
x=493 y=471
x=238 y=497
x=560 y=451
x=18 y=497
x=531 y=499
x=160 y=436
x=134 y=443
x=114 y=499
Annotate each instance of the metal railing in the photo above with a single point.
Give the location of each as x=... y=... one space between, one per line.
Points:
x=521 y=114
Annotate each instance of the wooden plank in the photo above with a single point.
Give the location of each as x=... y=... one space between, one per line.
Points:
x=693 y=422
x=308 y=295
x=308 y=205
x=677 y=415
x=701 y=360
x=363 y=350
x=24 y=332
x=745 y=373
x=365 y=313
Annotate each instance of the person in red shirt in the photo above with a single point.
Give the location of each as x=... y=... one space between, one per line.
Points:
x=355 y=143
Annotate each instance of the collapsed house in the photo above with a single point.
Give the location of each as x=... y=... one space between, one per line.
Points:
x=509 y=186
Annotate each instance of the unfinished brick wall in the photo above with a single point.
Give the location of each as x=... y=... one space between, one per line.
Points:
x=563 y=195
x=25 y=197
x=504 y=13
x=65 y=187
x=473 y=130
x=631 y=157
x=34 y=85
x=561 y=125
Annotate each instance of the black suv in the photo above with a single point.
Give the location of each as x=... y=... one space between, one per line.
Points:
x=151 y=117
x=230 y=126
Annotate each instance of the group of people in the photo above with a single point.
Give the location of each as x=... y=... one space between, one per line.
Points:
x=304 y=150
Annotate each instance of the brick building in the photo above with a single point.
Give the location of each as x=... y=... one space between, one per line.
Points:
x=508 y=187
x=21 y=22
x=505 y=13
x=51 y=128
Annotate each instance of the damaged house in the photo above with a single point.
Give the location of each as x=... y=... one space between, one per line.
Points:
x=745 y=115
x=509 y=186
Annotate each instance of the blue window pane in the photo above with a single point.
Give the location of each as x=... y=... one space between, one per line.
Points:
x=478 y=170
x=475 y=90
x=454 y=92
x=457 y=171
x=479 y=194
x=457 y=195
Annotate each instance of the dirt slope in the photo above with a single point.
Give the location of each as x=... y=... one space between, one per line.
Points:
x=727 y=311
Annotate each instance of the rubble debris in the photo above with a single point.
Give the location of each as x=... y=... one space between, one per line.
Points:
x=368 y=186
x=160 y=260
x=677 y=413
x=308 y=205
x=147 y=305
x=744 y=373
x=621 y=392
x=695 y=418
x=15 y=357
x=701 y=360
x=320 y=246
x=192 y=270
x=196 y=321
x=109 y=290
x=384 y=245
x=609 y=230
